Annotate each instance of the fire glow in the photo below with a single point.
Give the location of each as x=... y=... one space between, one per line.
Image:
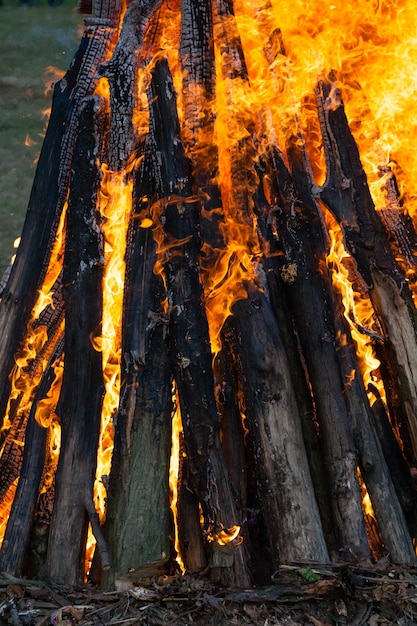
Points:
x=263 y=99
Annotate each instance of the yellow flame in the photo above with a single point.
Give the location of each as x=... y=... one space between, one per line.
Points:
x=115 y=204
x=358 y=310
x=174 y=466
x=229 y=535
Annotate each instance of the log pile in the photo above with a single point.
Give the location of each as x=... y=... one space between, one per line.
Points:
x=223 y=311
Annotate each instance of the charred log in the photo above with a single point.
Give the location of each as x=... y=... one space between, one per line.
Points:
x=50 y=186
x=138 y=487
x=190 y=350
x=346 y=194
x=80 y=401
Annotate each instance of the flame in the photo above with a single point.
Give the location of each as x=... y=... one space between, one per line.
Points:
x=358 y=310
x=229 y=535
x=115 y=204
x=29 y=141
x=174 y=467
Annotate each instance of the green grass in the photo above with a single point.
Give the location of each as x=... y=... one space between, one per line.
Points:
x=31 y=40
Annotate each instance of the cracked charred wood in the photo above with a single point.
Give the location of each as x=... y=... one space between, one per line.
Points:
x=80 y=401
x=49 y=323
x=402 y=235
x=50 y=186
x=346 y=193
x=189 y=344
x=308 y=287
x=284 y=485
x=372 y=463
x=121 y=72
x=19 y=525
x=138 y=486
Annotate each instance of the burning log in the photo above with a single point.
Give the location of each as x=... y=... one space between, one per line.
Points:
x=372 y=463
x=17 y=535
x=142 y=438
x=346 y=194
x=80 y=401
x=50 y=186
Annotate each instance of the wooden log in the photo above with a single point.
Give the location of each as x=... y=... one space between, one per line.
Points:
x=284 y=482
x=192 y=548
x=308 y=288
x=188 y=329
x=18 y=531
x=138 y=487
x=397 y=465
x=80 y=401
x=50 y=186
x=371 y=459
x=281 y=308
x=121 y=71
x=346 y=194
x=27 y=379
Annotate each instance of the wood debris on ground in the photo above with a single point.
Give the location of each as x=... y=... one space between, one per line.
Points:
x=298 y=595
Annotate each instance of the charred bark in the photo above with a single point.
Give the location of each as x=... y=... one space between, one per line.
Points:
x=19 y=525
x=190 y=350
x=138 y=487
x=346 y=194
x=50 y=186
x=371 y=460
x=80 y=402
x=308 y=288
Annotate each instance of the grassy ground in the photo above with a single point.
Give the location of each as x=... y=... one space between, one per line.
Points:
x=32 y=39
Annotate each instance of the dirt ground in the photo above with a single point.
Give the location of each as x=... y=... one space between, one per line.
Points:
x=339 y=595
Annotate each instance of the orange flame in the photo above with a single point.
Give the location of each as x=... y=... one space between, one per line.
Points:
x=174 y=466
x=358 y=310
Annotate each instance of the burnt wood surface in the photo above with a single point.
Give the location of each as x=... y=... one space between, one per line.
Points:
x=138 y=486
x=189 y=343
x=308 y=286
x=19 y=525
x=50 y=186
x=80 y=402
x=369 y=455
x=346 y=193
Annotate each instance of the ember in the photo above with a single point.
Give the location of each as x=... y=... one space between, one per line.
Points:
x=209 y=341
